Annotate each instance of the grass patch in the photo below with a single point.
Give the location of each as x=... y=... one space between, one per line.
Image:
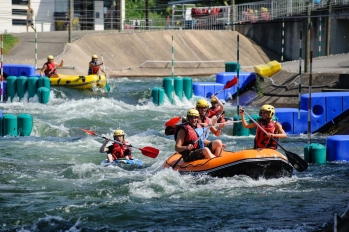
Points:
x=9 y=42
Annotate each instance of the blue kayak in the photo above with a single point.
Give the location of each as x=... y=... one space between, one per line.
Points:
x=136 y=162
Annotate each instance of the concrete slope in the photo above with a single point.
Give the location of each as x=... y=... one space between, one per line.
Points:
x=124 y=53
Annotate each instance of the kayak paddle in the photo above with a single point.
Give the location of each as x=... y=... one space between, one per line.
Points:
x=147 y=151
x=297 y=162
x=107 y=87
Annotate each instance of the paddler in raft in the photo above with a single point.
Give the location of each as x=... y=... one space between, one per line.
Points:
x=216 y=109
x=274 y=129
x=94 y=67
x=50 y=67
x=116 y=150
x=188 y=133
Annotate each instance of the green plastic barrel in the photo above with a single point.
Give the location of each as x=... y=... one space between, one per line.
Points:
x=11 y=87
x=178 y=87
x=231 y=66
x=239 y=129
x=167 y=84
x=1 y=125
x=315 y=153
x=158 y=95
x=21 y=86
x=44 y=82
x=32 y=86
x=9 y=125
x=24 y=124
x=43 y=95
x=188 y=87
x=161 y=96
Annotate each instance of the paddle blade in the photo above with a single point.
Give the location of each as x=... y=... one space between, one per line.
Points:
x=89 y=132
x=231 y=83
x=149 y=151
x=173 y=121
x=297 y=162
x=107 y=87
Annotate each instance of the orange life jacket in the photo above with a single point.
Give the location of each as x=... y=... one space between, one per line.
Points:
x=215 y=112
x=261 y=139
x=93 y=70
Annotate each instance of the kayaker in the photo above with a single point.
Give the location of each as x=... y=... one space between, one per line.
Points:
x=216 y=109
x=190 y=142
x=274 y=129
x=117 y=150
x=94 y=67
x=50 y=67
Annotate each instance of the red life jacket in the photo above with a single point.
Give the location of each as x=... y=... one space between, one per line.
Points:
x=215 y=112
x=94 y=69
x=51 y=69
x=120 y=151
x=261 y=139
x=204 y=119
x=190 y=135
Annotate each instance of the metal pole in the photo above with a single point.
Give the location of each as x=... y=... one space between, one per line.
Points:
x=2 y=69
x=309 y=99
x=320 y=33
x=232 y=15
x=328 y=28
x=70 y=12
x=36 y=49
x=282 y=40
x=307 y=42
x=300 y=75
x=237 y=74
x=172 y=58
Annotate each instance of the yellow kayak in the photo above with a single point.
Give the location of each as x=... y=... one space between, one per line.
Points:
x=79 y=82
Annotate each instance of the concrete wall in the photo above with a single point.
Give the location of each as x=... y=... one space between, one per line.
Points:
x=269 y=35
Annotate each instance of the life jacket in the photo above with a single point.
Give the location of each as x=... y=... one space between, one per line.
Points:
x=93 y=70
x=191 y=135
x=120 y=151
x=261 y=139
x=51 y=69
x=215 y=112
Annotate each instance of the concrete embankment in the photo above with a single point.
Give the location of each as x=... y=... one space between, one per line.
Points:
x=143 y=54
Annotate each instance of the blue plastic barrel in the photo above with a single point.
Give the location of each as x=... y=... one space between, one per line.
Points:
x=3 y=91
x=337 y=147
x=32 y=86
x=24 y=124
x=21 y=86
x=43 y=95
x=167 y=84
x=9 y=125
x=11 y=87
x=188 y=87
x=178 y=87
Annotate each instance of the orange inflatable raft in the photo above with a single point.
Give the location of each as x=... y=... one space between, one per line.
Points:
x=261 y=163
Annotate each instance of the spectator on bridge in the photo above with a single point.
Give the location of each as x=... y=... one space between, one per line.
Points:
x=30 y=14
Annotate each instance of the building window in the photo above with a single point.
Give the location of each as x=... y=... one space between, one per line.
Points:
x=19 y=12
x=20 y=2
x=19 y=22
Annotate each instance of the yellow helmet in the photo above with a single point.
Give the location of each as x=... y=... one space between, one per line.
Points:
x=119 y=132
x=94 y=57
x=50 y=57
x=213 y=100
x=268 y=108
x=202 y=103
x=193 y=113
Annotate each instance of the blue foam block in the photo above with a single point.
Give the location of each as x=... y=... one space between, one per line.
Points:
x=337 y=147
x=286 y=118
x=206 y=89
x=318 y=111
x=19 y=69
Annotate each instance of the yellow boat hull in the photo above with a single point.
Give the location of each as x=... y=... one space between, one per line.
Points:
x=79 y=82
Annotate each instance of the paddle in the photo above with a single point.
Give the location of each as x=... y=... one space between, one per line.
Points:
x=147 y=151
x=173 y=121
x=228 y=85
x=297 y=162
x=107 y=87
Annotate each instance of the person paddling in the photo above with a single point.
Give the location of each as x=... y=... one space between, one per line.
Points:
x=217 y=109
x=190 y=142
x=274 y=129
x=94 y=67
x=116 y=150
x=50 y=67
